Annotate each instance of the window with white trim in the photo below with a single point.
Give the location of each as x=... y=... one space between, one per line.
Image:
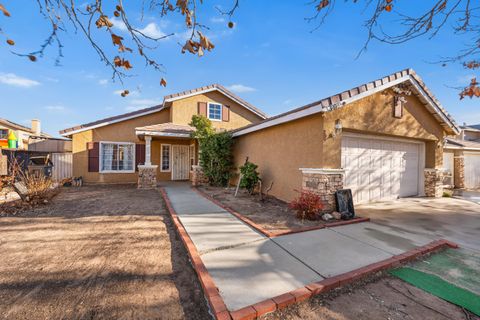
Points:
x=117 y=157
x=214 y=111
x=165 y=157
x=192 y=156
x=4 y=134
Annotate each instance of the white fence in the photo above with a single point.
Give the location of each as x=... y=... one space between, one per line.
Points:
x=62 y=166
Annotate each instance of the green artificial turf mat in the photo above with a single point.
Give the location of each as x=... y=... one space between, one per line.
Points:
x=440 y=288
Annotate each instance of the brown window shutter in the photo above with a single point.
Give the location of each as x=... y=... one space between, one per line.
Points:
x=93 y=156
x=139 y=155
x=202 y=108
x=225 y=113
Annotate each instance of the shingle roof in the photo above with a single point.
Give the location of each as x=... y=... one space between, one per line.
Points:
x=109 y=120
x=339 y=99
x=474 y=127
x=17 y=126
x=223 y=90
x=167 y=127
x=464 y=144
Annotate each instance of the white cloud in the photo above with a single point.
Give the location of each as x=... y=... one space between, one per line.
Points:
x=57 y=108
x=287 y=102
x=14 y=80
x=240 y=88
x=217 y=20
x=137 y=104
x=103 y=82
x=152 y=30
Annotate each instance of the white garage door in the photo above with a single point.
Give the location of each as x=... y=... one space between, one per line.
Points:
x=378 y=169
x=472 y=170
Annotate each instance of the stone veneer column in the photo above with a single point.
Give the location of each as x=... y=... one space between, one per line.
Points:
x=459 y=170
x=434 y=182
x=198 y=178
x=324 y=182
x=147 y=176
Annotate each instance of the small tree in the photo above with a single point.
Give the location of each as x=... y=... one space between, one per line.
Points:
x=215 y=151
x=250 y=176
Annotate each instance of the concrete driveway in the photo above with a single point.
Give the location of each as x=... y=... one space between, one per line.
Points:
x=454 y=219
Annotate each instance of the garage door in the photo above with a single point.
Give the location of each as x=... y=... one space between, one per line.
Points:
x=377 y=169
x=472 y=170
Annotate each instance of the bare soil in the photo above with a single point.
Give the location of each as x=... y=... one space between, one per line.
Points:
x=99 y=252
x=380 y=297
x=271 y=213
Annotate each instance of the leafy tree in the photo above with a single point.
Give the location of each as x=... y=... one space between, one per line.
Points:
x=215 y=153
x=250 y=176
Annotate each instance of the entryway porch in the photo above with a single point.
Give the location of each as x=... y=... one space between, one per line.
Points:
x=170 y=153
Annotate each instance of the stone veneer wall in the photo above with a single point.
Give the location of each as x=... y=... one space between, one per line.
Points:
x=198 y=178
x=324 y=183
x=147 y=177
x=434 y=182
x=459 y=171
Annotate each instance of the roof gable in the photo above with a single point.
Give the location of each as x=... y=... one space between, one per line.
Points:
x=341 y=99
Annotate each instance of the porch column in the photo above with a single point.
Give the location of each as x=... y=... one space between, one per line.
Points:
x=148 y=152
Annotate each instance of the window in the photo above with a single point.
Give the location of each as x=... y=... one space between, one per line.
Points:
x=117 y=157
x=165 y=155
x=215 y=111
x=4 y=134
x=192 y=156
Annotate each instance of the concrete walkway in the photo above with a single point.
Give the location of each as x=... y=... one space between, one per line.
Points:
x=247 y=267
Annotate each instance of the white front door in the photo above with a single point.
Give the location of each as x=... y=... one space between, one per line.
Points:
x=380 y=169
x=472 y=170
x=180 y=159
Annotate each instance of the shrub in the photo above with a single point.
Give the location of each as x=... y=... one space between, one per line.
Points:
x=215 y=155
x=250 y=176
x=307 y=205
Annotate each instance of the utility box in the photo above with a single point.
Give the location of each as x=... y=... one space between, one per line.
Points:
x=3 y=165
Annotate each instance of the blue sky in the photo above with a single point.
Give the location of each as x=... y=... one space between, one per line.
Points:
x=271 y=58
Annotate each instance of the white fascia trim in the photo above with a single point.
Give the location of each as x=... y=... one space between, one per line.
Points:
x=322 y=170
x=436 y=108
x=460 y=148
x=162 y=134
x=106 y=123
x=221 y=91
x=318 y=108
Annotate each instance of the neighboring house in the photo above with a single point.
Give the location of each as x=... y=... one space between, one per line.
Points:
x=154 y=144
x=22 y=133
x=462 y=157
x=383 y=139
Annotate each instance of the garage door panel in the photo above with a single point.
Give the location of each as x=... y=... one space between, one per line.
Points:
x=379 y=169
x=472 y=170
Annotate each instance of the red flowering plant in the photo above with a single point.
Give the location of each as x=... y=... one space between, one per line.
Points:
x=307 y=205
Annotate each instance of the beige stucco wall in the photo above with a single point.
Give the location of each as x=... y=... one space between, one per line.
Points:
x=281 y=150
x=184 y=109
x=179 y=112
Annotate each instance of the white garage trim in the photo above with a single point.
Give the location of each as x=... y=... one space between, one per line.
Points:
x=421 y=155
x=472 y=169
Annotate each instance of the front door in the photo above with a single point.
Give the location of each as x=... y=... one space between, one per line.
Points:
x=180 y=167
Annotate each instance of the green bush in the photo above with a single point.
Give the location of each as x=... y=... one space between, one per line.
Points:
x=250 y=176
x=215 y=155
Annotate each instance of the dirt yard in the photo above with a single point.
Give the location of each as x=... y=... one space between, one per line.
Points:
x=271 y=213
x=383 y=297
x=97 y=253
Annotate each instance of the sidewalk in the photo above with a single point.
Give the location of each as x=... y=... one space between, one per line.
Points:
x=248 y=267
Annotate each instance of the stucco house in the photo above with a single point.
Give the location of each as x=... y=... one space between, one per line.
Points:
x=383 y=139
x=461 y=157
x=22 y=133
x=154 y=144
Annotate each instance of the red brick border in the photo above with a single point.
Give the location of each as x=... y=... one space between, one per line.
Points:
x=220 y=310
x=273 y=234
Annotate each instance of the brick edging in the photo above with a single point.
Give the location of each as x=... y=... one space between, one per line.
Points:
x=219 y=309
x=217 y=305
x=273 y=234
x=304 y=293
